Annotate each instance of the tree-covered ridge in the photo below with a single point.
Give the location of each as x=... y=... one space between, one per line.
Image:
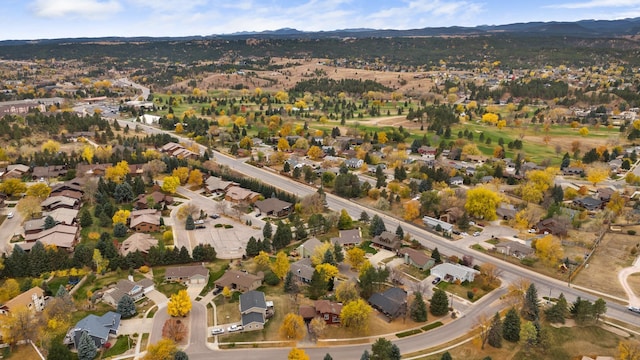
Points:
x=333 y=87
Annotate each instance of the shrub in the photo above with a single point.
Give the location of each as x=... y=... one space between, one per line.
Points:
x=227 y=226
x=218 y=225
x=631 y=232
x=271 y=279
x=431 y=326
x=408 y=333
x=527 y=261
x=144 y=269
x=470 y=294
x=94 y=235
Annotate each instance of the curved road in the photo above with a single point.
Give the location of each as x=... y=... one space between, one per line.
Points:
x=509 y=273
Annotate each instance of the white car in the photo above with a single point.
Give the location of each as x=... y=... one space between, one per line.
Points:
x=476 y=234
x=10 y=215
x=634 y=309
x=217 y=331
x=234 y=328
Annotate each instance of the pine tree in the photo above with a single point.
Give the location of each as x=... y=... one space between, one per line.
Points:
x=338 y=255
x=49 y=222
x=126 y=307
x=86 y=219
x=439 y=303
x=189 y=224
x=86 y=347
x=327 y=357
x=377 y=226
x=418 y=309
x=290 y=283
x=120 y=230
x=558 y=312
x=59 y=351
x=266 y=246
x=267 y=230
x=511 y=326
x=253 y=247
x=531 y=307
x=435 y=255
x=446 y=356
x=400 y=231
x=328 y=257
x=495 y=332
x=365 y=355
x=180 y=355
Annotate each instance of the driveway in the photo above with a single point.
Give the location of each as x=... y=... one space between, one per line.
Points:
x=376 y=259
x=634 y=300
x=135 y=326
x=157 y=297
x=8 y=228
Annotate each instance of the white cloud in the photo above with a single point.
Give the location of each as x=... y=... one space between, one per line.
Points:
x=79 y=8
x=595 y=4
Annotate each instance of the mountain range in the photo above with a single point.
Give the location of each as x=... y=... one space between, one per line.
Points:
x=582 y=28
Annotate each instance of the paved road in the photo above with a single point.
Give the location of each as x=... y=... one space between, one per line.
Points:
x=509 y=272
x=8 y=228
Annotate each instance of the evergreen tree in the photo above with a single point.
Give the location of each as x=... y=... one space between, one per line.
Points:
x=189 y=224
x=286 y=167
x=180 y=355
x=62 y=292
x=439 y=303
x=418 y=309
x=446 y=356
x=338 y=254
x=377 y=226
x=327 y=357
x=345 y=222
x=49 y=222
x=364 y=217
x=38 y=260
x=290 y=283
x=59 y=351
x=365 y=355
x=495 y=332
x=86 y=347
x=400 y=231
x=511 y=326
x=86 y=219
x=123 y=193
x=384 y=349
x=266 y=246
x=253 y=248
x=120 y=230
x=126 y=307
x=317 y=286
x=558 y=312
x=328 y=257
x=435 y=255
x=267 y=230
x=531 y=307
x=282 y=237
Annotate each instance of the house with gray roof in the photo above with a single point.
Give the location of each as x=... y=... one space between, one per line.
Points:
x=136 y=290
x=253 y=310
x=352 y=237
x=433 y=223
x=453 y=272
x=416 y=258
x=194 y=274
x=274 y=207
x=514 y=248
x=392 y=303
x=309 y=247
x=302 y=270
x=99 y=328
x=387 y=240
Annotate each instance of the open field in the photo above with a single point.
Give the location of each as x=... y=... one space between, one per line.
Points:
x=613 y=254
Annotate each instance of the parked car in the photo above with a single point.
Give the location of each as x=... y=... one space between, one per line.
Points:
x=476 y=233
x=217 y=331
x=464 y=233
x=480 y=224
x=200 y=226
x=10 y=215
x=216 y=290
x=436 y=281
x=258 y=215
x=531 y=231
x=234 y=328
x=199 y=222
x=634 y=309
x=214 y=216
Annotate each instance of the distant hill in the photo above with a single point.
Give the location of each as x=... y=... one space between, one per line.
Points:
x=582 y=28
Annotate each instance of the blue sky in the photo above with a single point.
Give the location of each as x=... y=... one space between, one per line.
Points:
x=38 y=19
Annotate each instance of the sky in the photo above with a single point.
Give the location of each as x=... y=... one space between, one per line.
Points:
x=47 y=19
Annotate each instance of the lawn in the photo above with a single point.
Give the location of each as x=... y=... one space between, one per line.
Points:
x=566 y=343
x=414 y=271
x=462 y=290
x=21 y=352
x=122 y=344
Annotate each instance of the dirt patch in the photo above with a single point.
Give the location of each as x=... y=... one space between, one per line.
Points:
x=634 y=282
x=613 y=254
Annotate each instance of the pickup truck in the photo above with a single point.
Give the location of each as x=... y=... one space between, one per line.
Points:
x=234 y=328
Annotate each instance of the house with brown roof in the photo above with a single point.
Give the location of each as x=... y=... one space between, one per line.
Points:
x=192 y=274
x=352 y=237
x=48 y=172
x=63 y=216
x=61 y=236
x=387 y=240
x=416 y=258
x=32 y=299
x=146 y=223
x=138 y=242
x=329 y=311
x=514 y=248
x=240 y=280
x=274 y=207
x=57 y=202
x=58 y=188
x=15 y=171
x=156 y=197
x=217 y=185
x=92 y=169
x=238 y=194
x=551 y=226
x=179 y=151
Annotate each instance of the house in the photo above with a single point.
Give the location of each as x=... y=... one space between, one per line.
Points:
x=308 y=247
x=32 y=299
x=240 y=280
x=454 y=272
x=15 y=171
x=136 y=290
x=253 y=310
x=392 y=302
x=302 y=270
x=514 y=248
x=155 y=198
x=92 y=169
x=149 y=119
x=63 y=216
x=48 y=172
x=387 y=240
x=179 y=151
x=351 y=237
x=61 y=236
x=55 y=202
x=146 y=223
x=353 y=163
x=506 y=211
x=588 y=203
x=73 y=185
x=138 y=242
x=456 y=180
x=329 y=311
x=194 y=274
x=416 y=258
x=274 y=207
x=434 y=223
x=604 y=194
x=238 y=194
x=216 y=185
x=551 y=226
x=571 y=170
x=99 y=328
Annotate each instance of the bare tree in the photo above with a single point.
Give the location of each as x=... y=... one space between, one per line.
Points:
x=516 y=292
x=174 y=329
x=90 y=188
x=186 y=210
x=483 y=322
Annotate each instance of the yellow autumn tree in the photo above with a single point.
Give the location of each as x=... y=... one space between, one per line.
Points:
x=411 y=210
x=179 y=304
x=103 y=153
x=355 y=315
x=182 y=173
x=39 y=190
x=293 y=327
x=356 y=257
x=164 y=349
x=382 y=137
x=195 y=177
x=549 y=249
x=318 y=253
x=490 y=118
x=51 y=146
x=327 y=271
x=280 y=267
x=121 y=216
x=297 y=354
x=315 y=152
x=596 y=174
x=584 y=131
x=262 y=260
x=118 y=172
x=283 y=144
x=482 y=203
x=628 y=350
x=87 y=153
